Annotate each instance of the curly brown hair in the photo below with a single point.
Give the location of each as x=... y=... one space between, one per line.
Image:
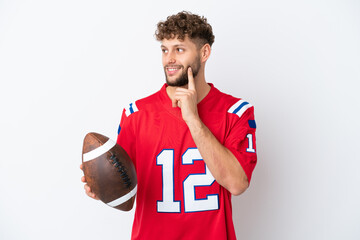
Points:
x=186 y=24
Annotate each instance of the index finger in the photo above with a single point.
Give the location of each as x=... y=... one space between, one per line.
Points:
x=191 y=84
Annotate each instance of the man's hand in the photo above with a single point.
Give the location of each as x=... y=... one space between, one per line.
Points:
x=186 y=100
x=87 y=188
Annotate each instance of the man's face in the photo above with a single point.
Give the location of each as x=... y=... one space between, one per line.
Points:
x=177 y=56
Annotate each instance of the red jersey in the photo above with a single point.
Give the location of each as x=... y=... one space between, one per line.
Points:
x=177 y=196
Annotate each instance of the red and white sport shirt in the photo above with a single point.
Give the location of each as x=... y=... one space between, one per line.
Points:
x=177 y=196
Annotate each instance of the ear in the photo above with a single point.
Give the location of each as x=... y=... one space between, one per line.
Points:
x=205 y=52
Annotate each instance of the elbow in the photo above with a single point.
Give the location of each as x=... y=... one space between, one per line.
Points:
x=239 y=188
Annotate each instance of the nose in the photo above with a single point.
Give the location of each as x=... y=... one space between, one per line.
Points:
x=171 y=58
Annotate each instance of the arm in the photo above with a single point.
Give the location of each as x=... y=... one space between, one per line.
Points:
x=223 y=165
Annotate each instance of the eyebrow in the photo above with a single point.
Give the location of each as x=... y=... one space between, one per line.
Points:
x=176 y=45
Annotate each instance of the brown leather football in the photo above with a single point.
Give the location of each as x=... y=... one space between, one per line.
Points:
x=109 y=171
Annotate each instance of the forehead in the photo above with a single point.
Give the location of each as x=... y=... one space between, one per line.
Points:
x=174 y=42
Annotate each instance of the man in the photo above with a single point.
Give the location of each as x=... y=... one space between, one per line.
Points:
x=192 y=145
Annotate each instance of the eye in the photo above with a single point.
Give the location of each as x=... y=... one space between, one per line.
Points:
x=180 y=50
x=164 y=50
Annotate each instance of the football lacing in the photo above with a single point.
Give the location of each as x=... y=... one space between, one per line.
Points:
x=122 y=170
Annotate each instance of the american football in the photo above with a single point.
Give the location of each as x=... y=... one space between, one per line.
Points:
x=109 y=171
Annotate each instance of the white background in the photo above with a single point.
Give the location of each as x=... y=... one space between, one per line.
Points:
x=69 y=67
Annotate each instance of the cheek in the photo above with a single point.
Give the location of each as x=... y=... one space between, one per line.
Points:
x=191 y=59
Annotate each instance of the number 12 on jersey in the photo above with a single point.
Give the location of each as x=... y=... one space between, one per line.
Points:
x=168 y=204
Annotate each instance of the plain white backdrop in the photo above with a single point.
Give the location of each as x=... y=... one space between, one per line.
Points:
x=69 y=67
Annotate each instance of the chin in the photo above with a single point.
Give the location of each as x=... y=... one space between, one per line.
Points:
x=177 y=83
x=180 y=81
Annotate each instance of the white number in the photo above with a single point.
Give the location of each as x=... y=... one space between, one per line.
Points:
x=211 y=202
x=191 y=204
x=166 y=159
x=250 y=148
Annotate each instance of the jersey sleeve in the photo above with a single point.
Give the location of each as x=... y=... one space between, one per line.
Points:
x=126 y=137
x=241 y=140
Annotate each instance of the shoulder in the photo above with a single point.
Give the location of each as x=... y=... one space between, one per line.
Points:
x=232 y=105
x=143 y=104
x=240 y=107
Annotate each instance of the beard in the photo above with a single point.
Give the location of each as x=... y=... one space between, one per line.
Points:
x=183 y=79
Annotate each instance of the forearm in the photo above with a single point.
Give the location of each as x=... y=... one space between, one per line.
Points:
x=222 y=164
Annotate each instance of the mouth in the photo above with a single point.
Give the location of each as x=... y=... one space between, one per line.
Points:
x=172 y=70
